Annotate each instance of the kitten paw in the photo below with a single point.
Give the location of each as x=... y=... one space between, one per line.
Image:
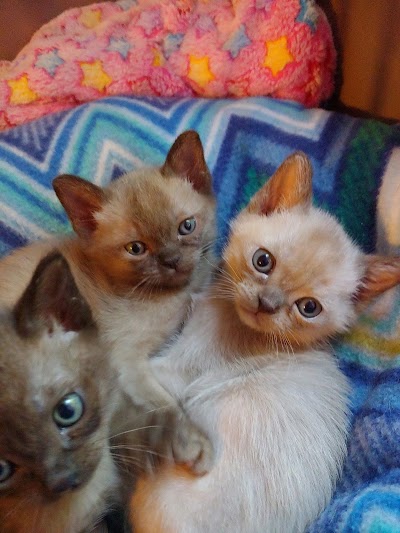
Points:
x=172 y=437
x=191 y=447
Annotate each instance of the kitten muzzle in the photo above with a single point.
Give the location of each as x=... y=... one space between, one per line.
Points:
x=171 y=261
x=57 y=484
x=270 y=303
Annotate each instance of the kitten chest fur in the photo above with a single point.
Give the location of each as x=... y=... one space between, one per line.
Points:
x=248 y=370
x=291 y=407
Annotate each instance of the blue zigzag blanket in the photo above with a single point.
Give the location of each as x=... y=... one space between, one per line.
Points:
x=245 y=140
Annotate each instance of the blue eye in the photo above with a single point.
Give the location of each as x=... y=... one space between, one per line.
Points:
x=7 y=469
x=135 y=248
x=69 y=410
x=187 y=226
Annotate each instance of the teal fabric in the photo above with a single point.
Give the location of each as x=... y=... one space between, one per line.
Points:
x=244 y=140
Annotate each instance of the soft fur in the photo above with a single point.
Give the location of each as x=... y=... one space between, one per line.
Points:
x=64 y=479
x=137 y=301
x=254 y=374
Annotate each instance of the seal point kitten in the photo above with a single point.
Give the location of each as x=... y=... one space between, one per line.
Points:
x=57 y=398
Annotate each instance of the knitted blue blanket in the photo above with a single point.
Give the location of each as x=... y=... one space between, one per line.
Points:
x=245 y=141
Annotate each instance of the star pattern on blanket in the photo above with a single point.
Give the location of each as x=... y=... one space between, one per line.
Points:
x=199 y=70
x=158 y=58
x=126 y=4
x=94 y=75
x=238 y=41
x=91 y=18
x=21 y=93
x=49 y=61
x=308 y=14
x=278 y=55
x=172 y=43
x=119 y=45
x=150 y=21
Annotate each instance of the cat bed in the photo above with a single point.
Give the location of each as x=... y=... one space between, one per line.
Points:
x=245 y=140
x=280 y=48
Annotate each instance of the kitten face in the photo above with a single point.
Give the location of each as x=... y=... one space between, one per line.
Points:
x=291 y=270
x=151 y=232
x=294 y=274
x=53 y=421
x=149 y=229
x=57 y=397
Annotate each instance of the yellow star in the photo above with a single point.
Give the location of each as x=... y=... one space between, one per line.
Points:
x=21 y=93
x=278 y=55
x=199 y=70
x=94 y=75
x=158 y=60
x=91 y=18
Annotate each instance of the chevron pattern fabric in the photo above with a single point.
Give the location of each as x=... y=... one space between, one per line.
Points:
x=244 y=140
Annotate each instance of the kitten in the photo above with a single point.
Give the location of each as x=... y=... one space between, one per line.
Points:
x=57 y=399
x=142 y=248
x=252 y=371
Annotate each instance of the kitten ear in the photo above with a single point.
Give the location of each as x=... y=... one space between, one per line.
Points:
x=51 y=296
x=186 y=160
x=381 y=273
x=291 y=185
x=81 y=200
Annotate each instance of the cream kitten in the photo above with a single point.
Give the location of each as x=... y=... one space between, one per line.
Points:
x=57 y=398
x=251 y=370
x=141 y=249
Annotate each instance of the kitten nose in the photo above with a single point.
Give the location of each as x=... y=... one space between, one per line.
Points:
x=58 y=483
x=170 y=260
x=268 y=305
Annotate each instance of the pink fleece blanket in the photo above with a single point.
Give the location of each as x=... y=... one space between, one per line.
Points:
x=212 y=48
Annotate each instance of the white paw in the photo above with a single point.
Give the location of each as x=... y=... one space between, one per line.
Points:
x=191 y=447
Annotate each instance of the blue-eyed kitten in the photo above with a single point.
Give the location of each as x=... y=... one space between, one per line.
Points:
x=58 y=396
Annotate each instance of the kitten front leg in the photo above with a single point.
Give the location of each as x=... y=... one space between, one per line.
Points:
x=145 y=390
x=191 y=446
x=187 y=443
x=173 y=437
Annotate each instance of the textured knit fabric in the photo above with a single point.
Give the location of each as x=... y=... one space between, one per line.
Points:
x=244 y=140
x=280 y=48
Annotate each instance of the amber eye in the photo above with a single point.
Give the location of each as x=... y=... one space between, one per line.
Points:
x=135 y=248
x=309 y=307
x=187 y=226
x=263 y=261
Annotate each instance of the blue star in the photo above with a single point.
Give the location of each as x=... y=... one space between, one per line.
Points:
x=125 y=5
x=238 y=41
x=308 y=14
x=172 y=43
x=49 y=61
x=119 y=45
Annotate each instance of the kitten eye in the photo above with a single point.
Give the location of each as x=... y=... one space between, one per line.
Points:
x=187 y=226
x=309 y=307
x=263 y=261
x=135 y=248
x=7 y=469
x=68 y=410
